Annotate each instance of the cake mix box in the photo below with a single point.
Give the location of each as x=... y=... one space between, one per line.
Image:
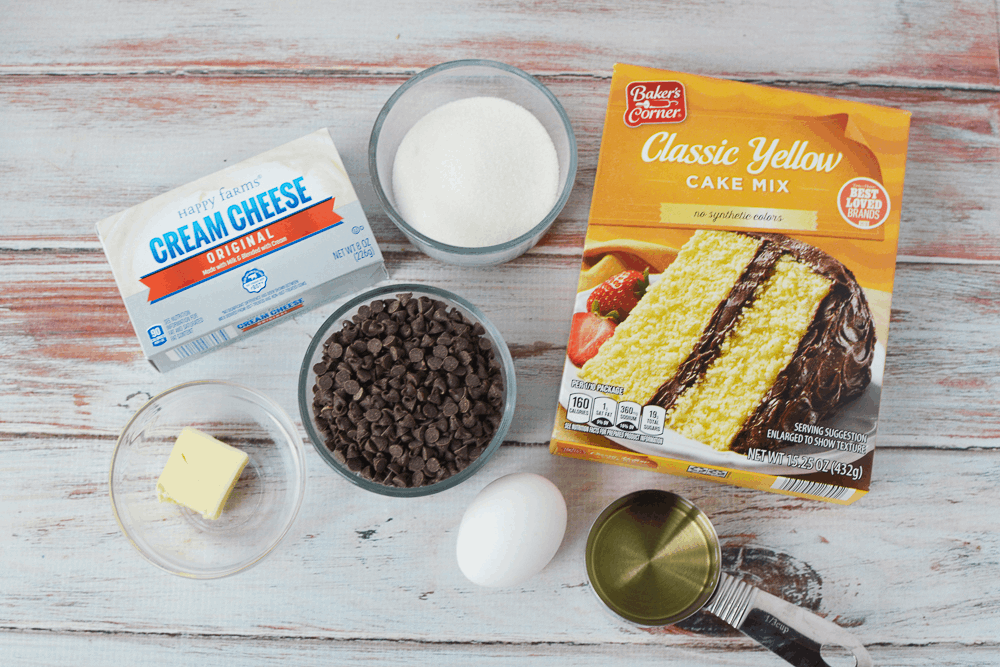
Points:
x=732 y=313
x=231 y=253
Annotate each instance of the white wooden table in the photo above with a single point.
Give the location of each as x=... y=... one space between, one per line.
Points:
x=105 y=104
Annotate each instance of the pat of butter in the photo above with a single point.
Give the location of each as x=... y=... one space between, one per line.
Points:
x=200 y=473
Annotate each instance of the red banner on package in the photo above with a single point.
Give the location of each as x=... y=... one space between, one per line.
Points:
x=240 y=250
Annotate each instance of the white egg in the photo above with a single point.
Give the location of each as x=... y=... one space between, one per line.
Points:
x=511 y=530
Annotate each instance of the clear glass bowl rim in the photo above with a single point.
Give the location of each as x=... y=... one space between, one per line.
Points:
x=398 y=220
x=347 y=309
x=298 y=454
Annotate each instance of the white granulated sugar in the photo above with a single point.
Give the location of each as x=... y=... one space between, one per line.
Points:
x=476 y=172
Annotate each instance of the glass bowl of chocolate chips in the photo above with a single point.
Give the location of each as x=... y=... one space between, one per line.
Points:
x=407 y=390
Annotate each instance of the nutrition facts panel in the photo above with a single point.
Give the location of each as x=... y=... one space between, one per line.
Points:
x=608 y=414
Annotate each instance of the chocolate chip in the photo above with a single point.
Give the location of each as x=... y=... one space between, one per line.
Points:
x=408 y=392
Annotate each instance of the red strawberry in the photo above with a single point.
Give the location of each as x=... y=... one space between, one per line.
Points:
x=587 y=333
x=618 y=295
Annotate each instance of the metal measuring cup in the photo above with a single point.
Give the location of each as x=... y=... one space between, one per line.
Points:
x=654 y=559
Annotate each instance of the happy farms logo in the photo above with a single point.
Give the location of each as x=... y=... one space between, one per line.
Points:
x=654 y=102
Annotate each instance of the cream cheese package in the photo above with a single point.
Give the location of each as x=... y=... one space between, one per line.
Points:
x=231 y=253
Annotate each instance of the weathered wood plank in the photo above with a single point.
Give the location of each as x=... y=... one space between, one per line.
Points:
x=48 y=649
x=73 y=366
x=144 y=136
x=104 y=105
x=362 y=567
x=927 y=43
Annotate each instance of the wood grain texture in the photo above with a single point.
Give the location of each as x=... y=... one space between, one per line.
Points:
x=100 y=650
x=941 y=387
x=931 y=43
x=99 y=145
x=361 y=567
x=108 y=103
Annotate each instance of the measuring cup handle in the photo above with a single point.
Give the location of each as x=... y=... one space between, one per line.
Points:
x=791 y=632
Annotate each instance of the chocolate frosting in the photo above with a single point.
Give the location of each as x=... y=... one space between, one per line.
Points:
x=831 y=366
x=723 y=320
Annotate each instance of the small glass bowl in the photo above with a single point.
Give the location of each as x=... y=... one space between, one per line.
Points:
x=260 y=509
x=447 y=82
x=314 y=355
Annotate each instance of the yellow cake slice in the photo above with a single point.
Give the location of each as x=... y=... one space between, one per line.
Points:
x=648 y=348
x=745 y=334
x=751 y=357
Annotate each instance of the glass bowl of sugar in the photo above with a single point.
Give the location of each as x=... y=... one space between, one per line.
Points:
x=473 y=160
